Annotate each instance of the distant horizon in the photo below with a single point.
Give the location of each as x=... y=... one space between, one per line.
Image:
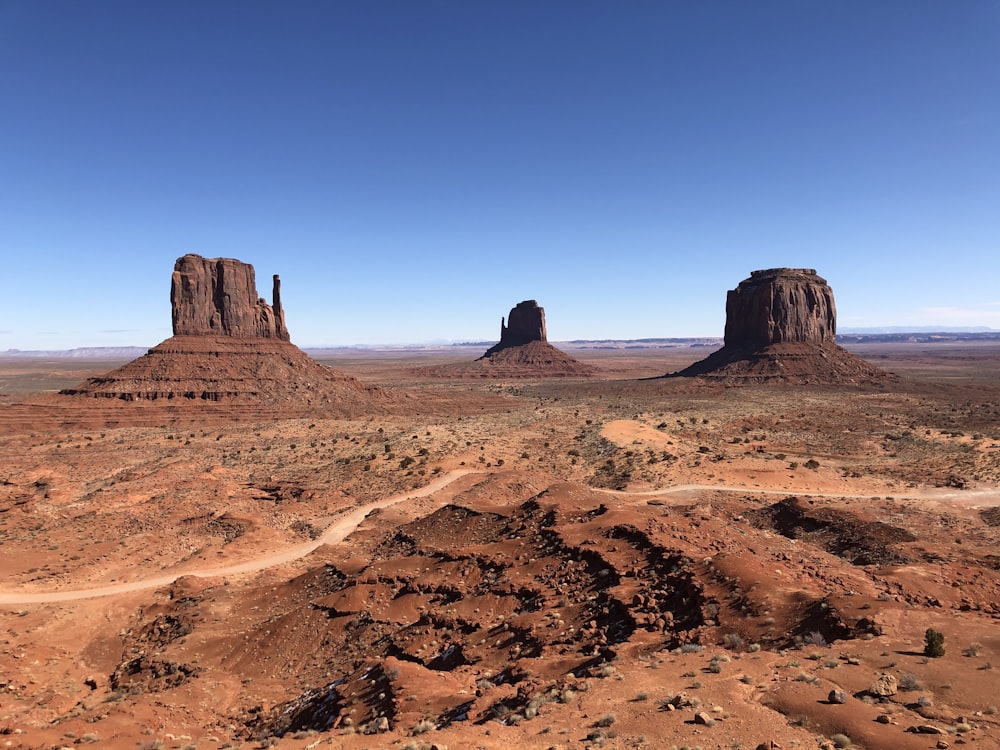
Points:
x=884 y=330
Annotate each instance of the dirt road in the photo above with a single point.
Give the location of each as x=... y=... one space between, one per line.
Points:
x=334 y=533
x=350 y=520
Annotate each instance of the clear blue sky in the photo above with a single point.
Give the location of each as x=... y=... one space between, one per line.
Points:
x=412 y=169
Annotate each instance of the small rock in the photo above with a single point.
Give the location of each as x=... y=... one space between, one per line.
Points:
x=926 y=729
x=882 y=718
x=837 y=696
x=941 y=745
x=703 y=718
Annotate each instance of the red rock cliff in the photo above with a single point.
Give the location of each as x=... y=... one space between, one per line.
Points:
x=218 y=297
x=780 y=305
x=525 y=323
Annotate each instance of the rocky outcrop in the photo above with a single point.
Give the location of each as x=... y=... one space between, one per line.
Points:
x=522 y=352
x=218 y=297
x=781 y=325
x=780 y=305
x=230 y=347
x=525 y=323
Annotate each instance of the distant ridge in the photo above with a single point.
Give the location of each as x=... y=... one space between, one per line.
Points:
x=84 y=352
x=922 y=329
x=855 y=336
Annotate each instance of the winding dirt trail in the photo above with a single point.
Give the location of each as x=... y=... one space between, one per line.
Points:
x=350 y=520
x=335 y=532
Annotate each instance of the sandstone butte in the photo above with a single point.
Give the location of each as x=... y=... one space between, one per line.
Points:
x=522 y=352
x=229 y=345
x=781 y=325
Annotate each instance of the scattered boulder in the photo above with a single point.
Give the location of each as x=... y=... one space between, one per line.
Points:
x=925 y=729
x=885 y=686
x=837 y=696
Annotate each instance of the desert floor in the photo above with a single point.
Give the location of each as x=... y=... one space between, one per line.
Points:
x=621 y=561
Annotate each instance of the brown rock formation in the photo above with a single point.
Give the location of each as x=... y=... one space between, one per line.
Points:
x=780 y=305
x=218 y=296
x=522 y=352
x=536 y=359
x=229 y=346
x=781 y=325
x=525 y=323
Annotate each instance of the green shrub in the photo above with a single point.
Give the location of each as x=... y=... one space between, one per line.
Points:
x=933 y=643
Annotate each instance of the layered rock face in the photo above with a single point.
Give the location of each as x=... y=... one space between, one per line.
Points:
x=218 y=296
x=230 y=346
x=525 y=323
x=524 y=351
x=780 y=305
x=781 y=325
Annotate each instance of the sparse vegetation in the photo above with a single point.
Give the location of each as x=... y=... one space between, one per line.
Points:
x=933 y=643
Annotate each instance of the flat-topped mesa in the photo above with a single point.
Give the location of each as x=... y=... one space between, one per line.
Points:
x=218 y=297
x=781 y=327
x=780 y=305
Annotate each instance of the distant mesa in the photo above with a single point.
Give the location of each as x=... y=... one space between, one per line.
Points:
x=229 y=345
x=522 y=352
x=781 y=325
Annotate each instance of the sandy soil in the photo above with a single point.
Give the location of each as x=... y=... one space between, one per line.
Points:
x=610 y=562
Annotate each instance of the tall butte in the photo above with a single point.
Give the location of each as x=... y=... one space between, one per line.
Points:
x=781 y=326
x=524 y=350
x=218 y=296
x=230 y=346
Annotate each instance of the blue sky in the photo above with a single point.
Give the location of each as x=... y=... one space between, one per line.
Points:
x=413 y=169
